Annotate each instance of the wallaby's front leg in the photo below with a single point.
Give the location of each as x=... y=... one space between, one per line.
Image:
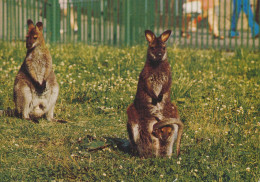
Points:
x=165 y=88
x=150 y=90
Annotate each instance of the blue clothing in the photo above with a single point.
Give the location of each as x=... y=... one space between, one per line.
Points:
x=237 y=7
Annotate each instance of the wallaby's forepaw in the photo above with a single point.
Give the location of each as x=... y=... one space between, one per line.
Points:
x=154 y=101
x=40 y=87
x=160 y=97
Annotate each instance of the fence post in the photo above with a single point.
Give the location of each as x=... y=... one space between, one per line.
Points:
x=127 y=22
x=79 y=7
x=53 y=20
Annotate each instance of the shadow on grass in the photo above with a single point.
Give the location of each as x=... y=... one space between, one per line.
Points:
x=92 y=144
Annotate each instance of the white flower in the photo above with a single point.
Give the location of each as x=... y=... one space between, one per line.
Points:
x=248 y=169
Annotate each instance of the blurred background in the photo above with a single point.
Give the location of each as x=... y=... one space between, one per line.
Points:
x=195 y=23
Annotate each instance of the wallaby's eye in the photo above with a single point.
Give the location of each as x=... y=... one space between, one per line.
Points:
x=164 y=48
x=35 y=36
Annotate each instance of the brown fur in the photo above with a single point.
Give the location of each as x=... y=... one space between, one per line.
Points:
x=35 y=87
x=152 y=102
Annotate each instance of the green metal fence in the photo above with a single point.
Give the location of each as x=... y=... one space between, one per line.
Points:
x=122 y=22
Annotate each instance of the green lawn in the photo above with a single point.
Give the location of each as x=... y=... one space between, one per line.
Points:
x=217 y=94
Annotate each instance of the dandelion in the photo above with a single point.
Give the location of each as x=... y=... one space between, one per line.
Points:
x=248 y=169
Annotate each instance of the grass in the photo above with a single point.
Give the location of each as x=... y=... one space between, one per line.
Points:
x=217 y=94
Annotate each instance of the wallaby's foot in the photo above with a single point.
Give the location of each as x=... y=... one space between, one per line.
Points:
x=33 y=120
x=59 y=120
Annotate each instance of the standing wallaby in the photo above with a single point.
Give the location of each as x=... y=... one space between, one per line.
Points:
x=153 y=121
x=35 y=88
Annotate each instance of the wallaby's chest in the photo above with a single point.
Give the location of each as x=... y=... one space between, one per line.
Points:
x=157 y=80
x=38 y=63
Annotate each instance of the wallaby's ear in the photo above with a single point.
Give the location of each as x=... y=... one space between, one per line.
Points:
x=165 y=35
x=40 y=26
x=30 y=23
x=149 y=36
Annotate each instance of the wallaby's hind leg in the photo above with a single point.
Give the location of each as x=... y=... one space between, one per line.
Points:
x=133 y=126
x=52 y=101
x=23 y=100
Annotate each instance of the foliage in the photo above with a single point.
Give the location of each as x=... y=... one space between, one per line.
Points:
x=217 y=94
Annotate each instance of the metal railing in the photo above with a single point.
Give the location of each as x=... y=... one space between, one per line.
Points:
x=122 y=22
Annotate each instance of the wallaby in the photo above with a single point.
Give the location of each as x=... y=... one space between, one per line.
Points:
x=35 y=88
x=152 y=111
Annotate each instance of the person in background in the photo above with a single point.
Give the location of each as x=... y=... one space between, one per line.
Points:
x=257 y=18
x=208 y=11
x=64 y=8
x=238 y=5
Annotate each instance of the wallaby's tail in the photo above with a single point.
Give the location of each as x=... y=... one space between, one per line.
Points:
x=9 y=112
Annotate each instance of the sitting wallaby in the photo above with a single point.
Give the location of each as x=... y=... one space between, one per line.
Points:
x=35 y=88
x=153 y=121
